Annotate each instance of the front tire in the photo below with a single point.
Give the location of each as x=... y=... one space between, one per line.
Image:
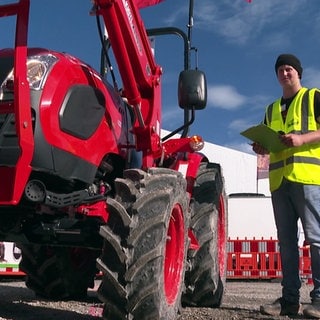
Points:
x=206 y=277
x=145 y=243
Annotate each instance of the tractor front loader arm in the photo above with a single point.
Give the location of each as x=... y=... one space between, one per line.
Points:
x=14 y=178
x=139 y=72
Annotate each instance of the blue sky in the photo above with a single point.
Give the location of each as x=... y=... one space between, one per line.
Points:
x=237 y=44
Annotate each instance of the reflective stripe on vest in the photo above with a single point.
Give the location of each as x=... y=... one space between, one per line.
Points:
x=299 y=164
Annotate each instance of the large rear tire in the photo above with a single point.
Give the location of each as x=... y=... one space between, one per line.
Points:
x=145 y=244
x=205 y=280
x=59 y=273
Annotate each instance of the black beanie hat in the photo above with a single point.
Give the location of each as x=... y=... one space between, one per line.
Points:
x=290 y=60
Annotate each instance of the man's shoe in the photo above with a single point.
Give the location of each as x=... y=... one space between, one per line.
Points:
x=281 y=307
x=313 y=309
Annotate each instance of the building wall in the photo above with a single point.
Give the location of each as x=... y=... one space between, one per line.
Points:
x=239 y=168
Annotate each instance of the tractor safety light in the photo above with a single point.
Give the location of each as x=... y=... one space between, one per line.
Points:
x=38 y=68
x=196 y=143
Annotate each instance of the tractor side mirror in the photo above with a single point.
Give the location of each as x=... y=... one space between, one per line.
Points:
x=192 y=89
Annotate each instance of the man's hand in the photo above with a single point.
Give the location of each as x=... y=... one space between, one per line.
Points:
x=292 y=140
x=259 y=149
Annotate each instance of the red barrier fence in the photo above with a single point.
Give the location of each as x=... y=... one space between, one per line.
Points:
x=246 y=259
x=10 y=270
x=260 y=259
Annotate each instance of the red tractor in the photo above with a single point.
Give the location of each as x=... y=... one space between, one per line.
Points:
x=88 y=184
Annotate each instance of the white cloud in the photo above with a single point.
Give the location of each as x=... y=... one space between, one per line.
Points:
x=311 y=77
x=240 y=124
x=172 y=117
x=174 y=15
x=225 y=97
x=240 y=21
x=243 y=147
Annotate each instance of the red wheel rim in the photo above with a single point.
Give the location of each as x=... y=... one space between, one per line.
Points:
x=174 y=254
x=222 y=237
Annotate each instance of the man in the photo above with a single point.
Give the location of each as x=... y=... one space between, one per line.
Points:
x=294 y=177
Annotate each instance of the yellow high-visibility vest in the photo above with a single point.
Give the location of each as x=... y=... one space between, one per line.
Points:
x=297 y=164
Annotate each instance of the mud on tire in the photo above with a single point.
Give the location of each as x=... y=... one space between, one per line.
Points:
x=205 y=280
x=145 y=243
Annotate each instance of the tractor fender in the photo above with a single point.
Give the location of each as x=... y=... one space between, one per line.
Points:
x=189 y=167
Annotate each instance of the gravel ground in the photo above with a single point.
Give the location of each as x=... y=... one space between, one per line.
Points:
x=241 y=301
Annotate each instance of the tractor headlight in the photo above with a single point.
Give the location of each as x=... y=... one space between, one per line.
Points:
x=36 y=71
x=38 y=68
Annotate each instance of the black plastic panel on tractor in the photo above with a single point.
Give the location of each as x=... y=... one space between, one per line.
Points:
x=9 y=149
x=82 y=111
